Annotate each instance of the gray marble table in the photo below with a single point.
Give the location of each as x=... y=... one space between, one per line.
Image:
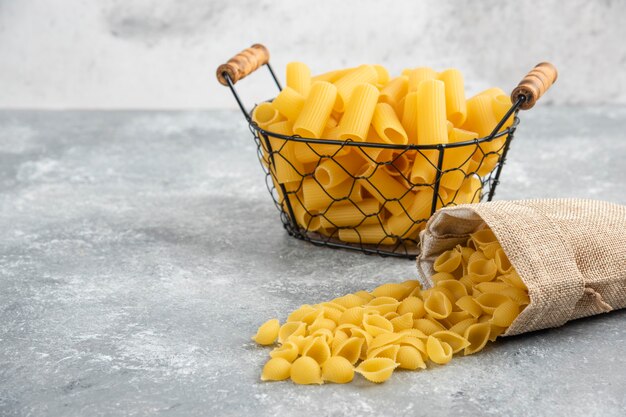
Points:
x=140 y=251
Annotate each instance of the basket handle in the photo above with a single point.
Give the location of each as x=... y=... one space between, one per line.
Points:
x=535 y=84
x=243 y=64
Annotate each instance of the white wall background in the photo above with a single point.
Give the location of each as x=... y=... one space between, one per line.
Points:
x=163 y=54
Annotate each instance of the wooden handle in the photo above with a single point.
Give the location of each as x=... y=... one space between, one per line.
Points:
x=535 y=84
x=243 y=64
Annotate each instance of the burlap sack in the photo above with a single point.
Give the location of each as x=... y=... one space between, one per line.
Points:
x=570 y=253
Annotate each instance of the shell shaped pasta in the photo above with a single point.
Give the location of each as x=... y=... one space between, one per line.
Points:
x=331 y=304
x=366 y=296
x=299 y=341
x=410 y=358
x=502 y=262
x=309 y=318
x=353 y=315
x=338 y=338
x=393 y=290
x=384 y=340
x=467 y=283
x=516 y=294
x=414 y=333
x=455 y=317
x=412 y=284
x=456 y=342
x=349 y=301
x=376 y=324
x=377 y=369
x=317 y=349
x=476 y=256
x=441 y=276
x=305 y=370
x=456 y=288
x=382 y=305
x=449 y=261
x=477 y=335
x=402 y=322
x=337 y=369
x=415 y=342
x=288 y=351
x=389 y=351
x=350 y=349
x=391 y=315
x=427 y=326
x=292 y=328
x=505 y=314
x=267 y=332
x=332 y=313
x=495 y=332
x=412 y=305
x=514 y=280
x=489 y=302
x=491 y=287
x=438 y=305
x=482 y=270
x=322 y=323
x=460 y=327
x=327 y=334
x=276 y=369
x=490 y=250
x=438 y=351
x=299 y=313
x=483 y=237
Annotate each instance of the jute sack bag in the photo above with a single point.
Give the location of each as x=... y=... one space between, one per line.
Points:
x=570 y=253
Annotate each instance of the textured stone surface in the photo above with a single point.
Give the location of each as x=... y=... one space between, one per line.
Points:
x=140 y=251
x=147 y=54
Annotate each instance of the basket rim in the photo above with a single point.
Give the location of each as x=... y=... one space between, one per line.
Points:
x=350 y=142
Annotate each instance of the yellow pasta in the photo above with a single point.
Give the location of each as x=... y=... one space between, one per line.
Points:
x=394 y=91
x=359 y=111
x=315 y=197
x=383 y=75
x=337 y=369
x=346 y=213
x=413 y=305
x=265 y=114
x=317 y=349
x=353 y=315
x=293 y=328
x=455 y=341
x=489 y=302
x=408 y=223
x=461 y=326
x=417 y=75
x=288 y=351
x=393 y=290
x=427 y=326
x=289 y=103
x=410 y=116
x=470 y=191
x=376 y=324
x=267 y=333
x=438 y=351
x=350 y=349
x=449 y=261
x=276 y=369
x=402 y=322
x=456 y=161
x=438 y=305
x=347 y=83
x=299 y=77
x=385 y=339
x=316 y=110
x=384 y=188
x=332 y=172
x=382 y=305
x=331 y=76
x=501 y=105
x=477 y=335
x=377 y=369
x=505 y=313
x=388 y=126
x=309 y=220
x=454 y=287
x=456 y=108
x=469 y=305
x=305 y=370
x=432 y=125
x=286 y=167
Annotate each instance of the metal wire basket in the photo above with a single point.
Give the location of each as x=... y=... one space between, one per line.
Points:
x=367 y=211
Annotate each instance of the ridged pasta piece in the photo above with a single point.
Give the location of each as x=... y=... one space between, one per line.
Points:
x=387 y=125
x=456 y=161
x=382 y=305
x=332 y=313
x=383 y=74
x=449 y=261
x=367 y=234
x=491 y=92
x=402 y=322
x=424 y=170
x=502 y=262
x=460 y=327
x=438 y=351
x=332 y=172
x=337 y=369
x=288 y=351
x=276 y=369
x=470 y=191
x=415 y=342
x=413 y=305
x=489 y=302
x=346 y=84
x=376 y=324
x=305 y=370
x=316 y=197
x=326 y=334
x=482 y=270
x=353 y=315
x=491 y=249
x=410 y=358
x=457 y=289
x=339 y=337
x=406 y=223
x=513 y=279
x=480 y=115
x=387 y=351
x=265 y=114
x=456 y=342
x=305 y=218
x=501 y=105
x=267 y=332
x=391 y=315
x=385 y=187
x=366 y=296
x=431 y=106
x=359 y=112
x=318 y=349
x=456 y=108
x=316 y=110
x=495 y=332
x=292 y=328
x=299 y=77
x=491 y=287
x=377 y=369
x=516 y=294
x=455 y=317
x=350 y=349
x=385 y=339
x=349 y=301
x=289 y=103
x=417 y=75
x=477 y=335
x=393 y=290
x=438 y=305
x=410 y=116
x=322 y=323
x=414 y=333
x=505 y=314
x=347 y=213
x=331 y=76
x=300 y=312
x=285 y=167
x=394 y=91
x=427 y=326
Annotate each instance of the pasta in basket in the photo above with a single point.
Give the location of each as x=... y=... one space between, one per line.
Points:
x=400 y=325
x=367 y=106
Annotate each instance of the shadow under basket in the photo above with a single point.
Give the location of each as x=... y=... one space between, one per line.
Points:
x=375 y=197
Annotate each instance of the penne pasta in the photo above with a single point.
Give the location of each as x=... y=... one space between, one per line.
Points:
x=346 y=84
x=387 y=125
x=432 y=125
x=289 y=103
x=394 y=91
x=355 y=123
x=299 y=77
x=316 y=110
x=456 y=108
x=417 y=75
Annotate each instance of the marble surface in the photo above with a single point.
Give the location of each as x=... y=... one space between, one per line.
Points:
x=140 y=252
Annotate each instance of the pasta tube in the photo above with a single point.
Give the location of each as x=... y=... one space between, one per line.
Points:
x=346 y=84
x=456 y=108
x=316 y=110
x=359 y=112
x=432 y=125
x=299 y=77
x=387 y=125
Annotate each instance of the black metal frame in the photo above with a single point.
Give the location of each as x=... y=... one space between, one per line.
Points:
x=490 y=181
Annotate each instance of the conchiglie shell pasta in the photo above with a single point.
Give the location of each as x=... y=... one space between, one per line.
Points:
x=305 y=370
x=267 y=333
x=376 y=324
x=456 y=342
x=402 y=322
x=317 y=349
x=477 y=335
x=294 y=328
x=337 y=369
x=276 y=369
x=505 y=314
x=288 y=351
x=377 y=369
x=438 y=351
x=393 y=290
x=412 y=305
x=438 y=305
x=389 y=351
x=448 y=261
x=427 y=326
x=350 y=349
x=353 y=315
x=410 y=358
